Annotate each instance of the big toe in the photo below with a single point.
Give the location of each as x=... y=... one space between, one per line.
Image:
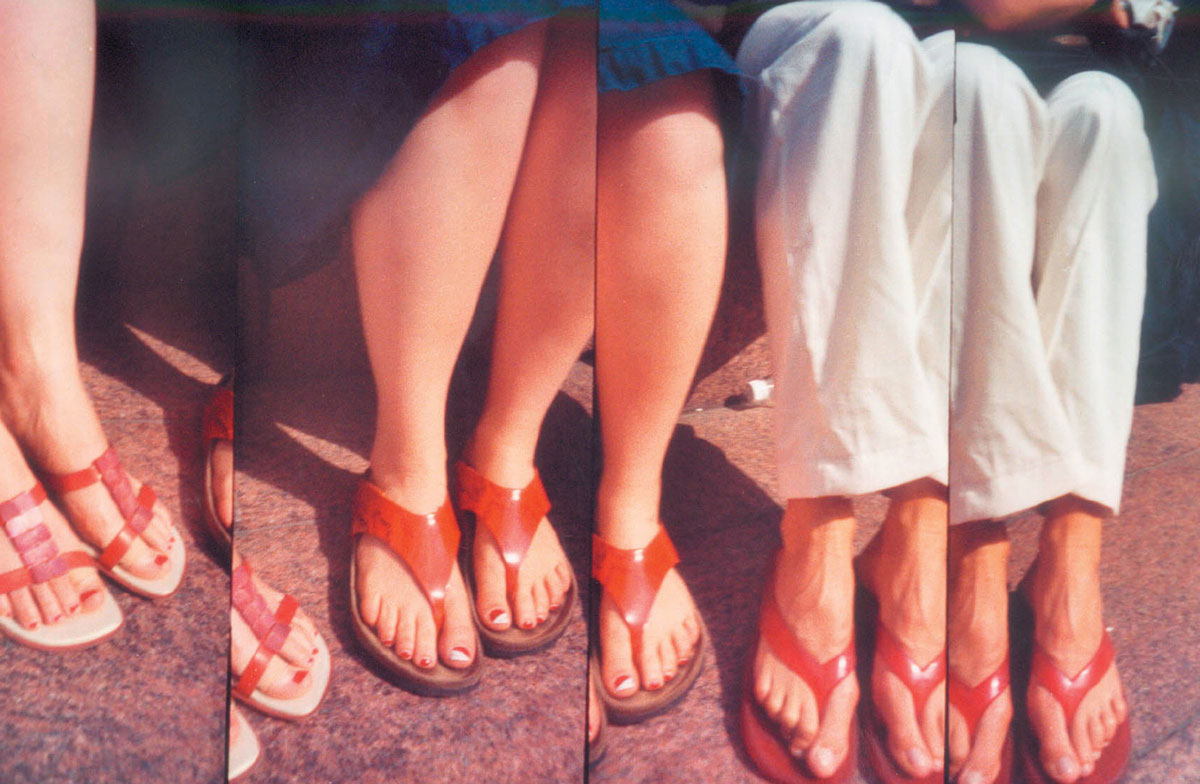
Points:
x=1057 y=755
x=456 y=645
x=491 y=600
x=832 y=742
x=904 y=739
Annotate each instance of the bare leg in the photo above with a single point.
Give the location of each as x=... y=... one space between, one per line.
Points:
x=977 y=644
x=661 y=234
x=545 y=313
x=907 y=572
x=47 y=71
x=1068 y=625
x=423 y=239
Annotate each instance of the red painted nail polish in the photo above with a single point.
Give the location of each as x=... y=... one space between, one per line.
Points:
x=300 y=676
x=497 y=614
x=527 y=625
x=425 y=661
x=406 y=655
x=159 y=560
x=553 y=607
x=316 y=651
x=683 y=662
x=31 y=625
x=652 y=685
x=74 y=608
x=83 y=597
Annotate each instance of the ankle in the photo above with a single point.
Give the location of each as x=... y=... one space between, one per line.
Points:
x=418 y=485
x=626 y=521
x=503 y=462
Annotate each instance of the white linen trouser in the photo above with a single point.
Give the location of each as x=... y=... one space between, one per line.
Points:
x=853 y=225
x=1050 y=215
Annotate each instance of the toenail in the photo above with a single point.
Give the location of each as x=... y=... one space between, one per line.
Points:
x=527 y=625
x=83 y=597
x=425 y=661
x=916 y=758
x=315 y=651
x=56 y=619
x=624 y=683
x=74 y=608
x=460 y=655
x=652 y=685
x=541 y=619
x=1064 y=767
x=822 y=757
x=159 y=560
x=971 y=777
x=31 y=625
x=683 y=662
x=406 y=655
x=498 y=616
x=300 y=676
x=553 y=607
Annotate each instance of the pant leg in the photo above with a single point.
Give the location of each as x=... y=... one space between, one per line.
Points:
x=1089 y=272
x=843 y=93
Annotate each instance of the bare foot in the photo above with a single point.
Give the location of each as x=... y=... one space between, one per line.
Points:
x=53 y=419
x=978 y=645
x=78 y=591
x=595 y=707
x=906 y=569
x=287 y=675
x=814 y=588
x=1068 y=611
x=545 y=574
x=392 y=602
x=672 y=626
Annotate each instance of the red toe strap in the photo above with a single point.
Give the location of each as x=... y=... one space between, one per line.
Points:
x=137 y=509
x=26 y=529
x=512 y=516
x=218 y=416
x=921 y=681
x=972 y=701
x=632 y=577
x=822 y=678
x=271 y=630
x=427 y=543
x=1067 y=690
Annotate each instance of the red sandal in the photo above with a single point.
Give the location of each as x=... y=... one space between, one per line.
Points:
x=920 y=682
x=271 y=630
x=972 y=702
x=26 y=530
x=428 y=544
x=512 y=517
x=632 y=579
x=1069 y=692
x=137 y=511
x=760 y=733
x=217 y=426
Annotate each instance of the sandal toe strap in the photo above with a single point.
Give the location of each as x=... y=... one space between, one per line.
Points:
x=427 y=543
x=1067 y=690
x=632 y=577
x=972 y=701
x=26 y=529
x=510 y=515
x=920 y=681
x=821 y=677
x=271 y=629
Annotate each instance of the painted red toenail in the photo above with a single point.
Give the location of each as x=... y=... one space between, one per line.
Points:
x=653 y=685
x=498 y=615
x=622 y=682
x=683 y=662
x=425 y=661
x=460 y=655
x=160 y=559
x=527 y=625
x=83 y=597
x=553 y=607
x=406 y=655
x=316 y=651
x=300 y=676
x=31 y=625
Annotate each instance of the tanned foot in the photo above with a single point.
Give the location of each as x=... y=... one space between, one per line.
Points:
x=1064 y=591
x=814 y=588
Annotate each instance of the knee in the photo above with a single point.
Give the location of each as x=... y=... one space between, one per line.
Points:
x=992 y=90
x=1093 y=108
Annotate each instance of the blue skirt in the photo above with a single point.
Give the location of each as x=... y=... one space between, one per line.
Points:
x=328 y=104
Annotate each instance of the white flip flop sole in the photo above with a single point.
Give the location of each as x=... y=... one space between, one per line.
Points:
x=75 y=631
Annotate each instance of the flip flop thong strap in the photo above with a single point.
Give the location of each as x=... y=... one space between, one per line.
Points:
x=921 y=681
x=218 y=416
x=822 y=678
x=427 y=543
x=510 y=515
x=632 y=577
x=271 y=629
x=1070 y=691
x=25 y=527
x=137 y=509
x=972 y=701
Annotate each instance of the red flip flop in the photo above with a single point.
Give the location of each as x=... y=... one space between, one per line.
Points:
x=972 y=701
x=920 y=682
x=1069 y=692
x=760 y=734
x=512 y=517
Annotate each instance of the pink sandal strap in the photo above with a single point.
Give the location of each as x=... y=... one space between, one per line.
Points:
x=270 y=629
x=632 y=577
x=1067 y=690
x=26 y=528
x=920 y=681
x=972 y=701
x=427 y=543
x=821 y=677
x=137 y=509
x=510 y=515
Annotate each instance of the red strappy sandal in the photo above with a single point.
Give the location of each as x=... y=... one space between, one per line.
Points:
x=428 y=544
x=271 y=630
x=1069 y=692
x=920 y=682
x=972 y=702
x=42 y=562
x=760 y=734
x=217 y=426
x=632 y=579
x=512 y=517
x=137 y=511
